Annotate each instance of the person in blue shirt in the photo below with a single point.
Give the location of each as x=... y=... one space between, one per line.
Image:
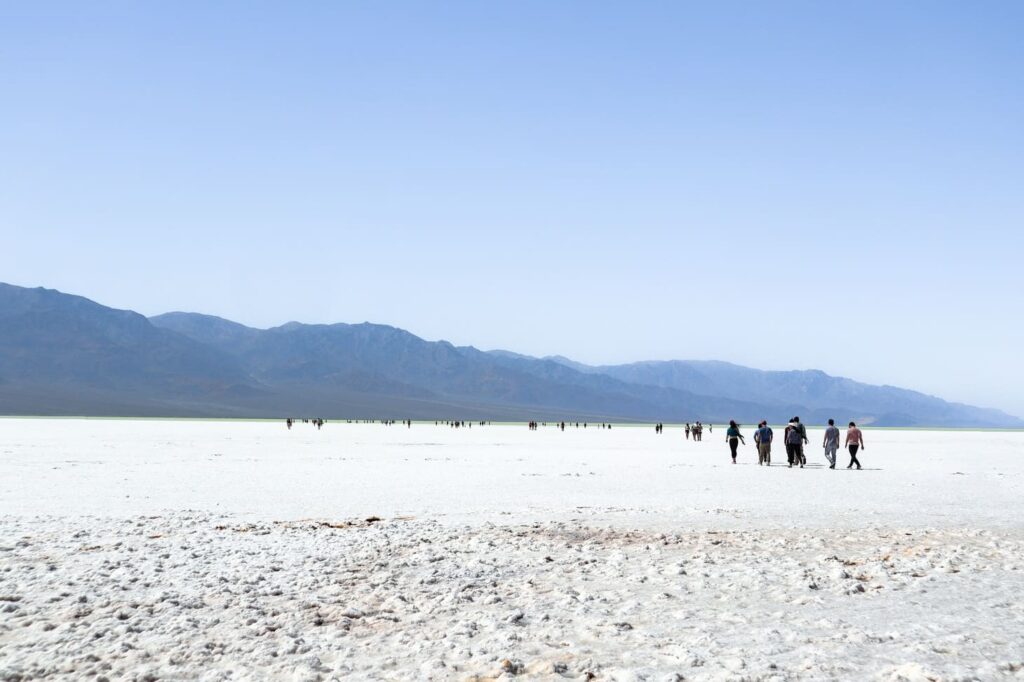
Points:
x=734 y=437
x=763 y=439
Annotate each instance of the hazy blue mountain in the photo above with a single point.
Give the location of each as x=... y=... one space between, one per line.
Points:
x=811 y=390
x=391 y=361
x=63 y=354
x=47 y=336
x=208 y=329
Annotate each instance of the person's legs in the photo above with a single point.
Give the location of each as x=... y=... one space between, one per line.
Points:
x=853 y=456
x=733 y=444
x=830 y=455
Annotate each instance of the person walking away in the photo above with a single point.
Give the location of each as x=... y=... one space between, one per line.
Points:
x=733 y=437
x=764 y=437
x=831 y=443
x=802 y=442
x=854 y=441
x=687 y=431
x=792 y=438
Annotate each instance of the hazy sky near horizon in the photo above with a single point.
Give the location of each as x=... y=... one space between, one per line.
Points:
x=783 y=185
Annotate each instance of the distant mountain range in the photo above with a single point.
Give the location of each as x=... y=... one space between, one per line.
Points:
x=66 y=355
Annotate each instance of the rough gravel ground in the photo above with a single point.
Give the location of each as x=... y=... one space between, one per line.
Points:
x=202 y=596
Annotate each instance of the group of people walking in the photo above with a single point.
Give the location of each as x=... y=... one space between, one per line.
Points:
x=795 y=438
x=318 y=423
x=697 y=430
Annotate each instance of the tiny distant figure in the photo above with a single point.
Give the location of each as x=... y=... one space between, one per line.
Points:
x=288 y=421
x=831 y=443
x=562 y=426
x=763 y=437
x=687 y=429
x=733 y=437
x=854 y=441
x=711 y=428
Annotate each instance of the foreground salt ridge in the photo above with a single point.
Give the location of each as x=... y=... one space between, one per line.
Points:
x=204 y=596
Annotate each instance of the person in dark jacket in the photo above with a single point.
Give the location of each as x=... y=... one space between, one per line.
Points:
x=802 y=442
x=734 y=437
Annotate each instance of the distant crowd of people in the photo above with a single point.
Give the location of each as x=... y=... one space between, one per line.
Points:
x=317 y=422
x=794 y=437
x=697 y=431
x=561 y=425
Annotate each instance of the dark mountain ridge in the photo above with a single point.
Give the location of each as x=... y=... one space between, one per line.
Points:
x=63 y=354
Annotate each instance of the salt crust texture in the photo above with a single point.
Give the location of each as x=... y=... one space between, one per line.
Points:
x=179 y=550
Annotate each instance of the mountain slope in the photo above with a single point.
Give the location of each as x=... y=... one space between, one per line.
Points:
x=63 y=354
x=47 y=336
x=329 y=355
x=813 y=390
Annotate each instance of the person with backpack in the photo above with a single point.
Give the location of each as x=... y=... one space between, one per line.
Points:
x=795 y=436
x=854 y=441
x=803 y=441
x=763 y=438
x=791 y=436
x=733 y=437
x=831 y=443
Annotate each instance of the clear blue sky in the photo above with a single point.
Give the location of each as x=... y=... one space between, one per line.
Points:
x=783 y=185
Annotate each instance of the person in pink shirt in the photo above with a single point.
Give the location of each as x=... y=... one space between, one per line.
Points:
x=854 y=441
